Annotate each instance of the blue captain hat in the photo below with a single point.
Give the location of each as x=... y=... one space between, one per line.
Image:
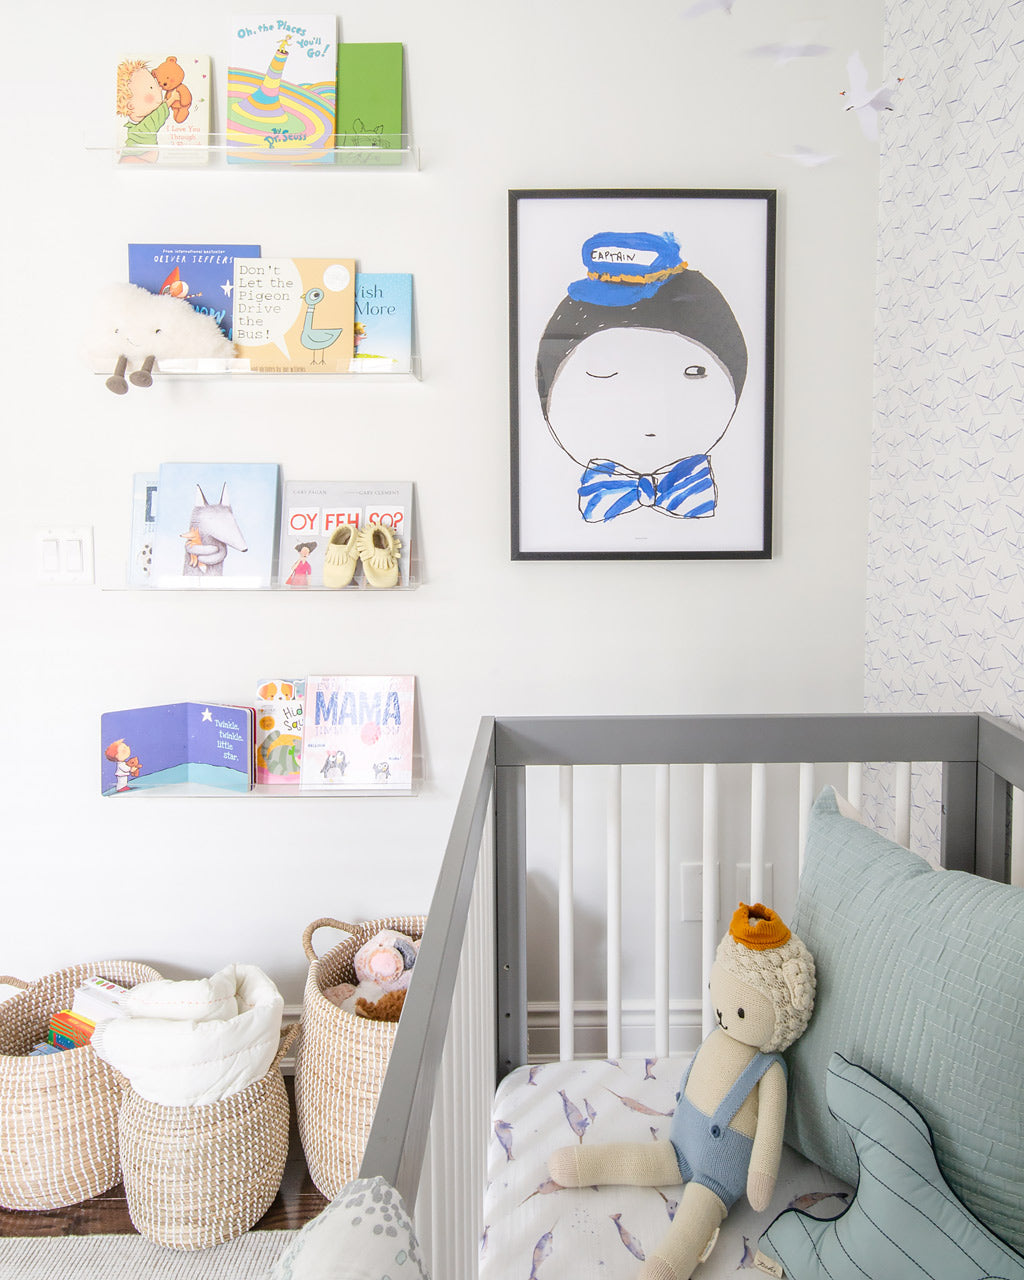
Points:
x=625 y=267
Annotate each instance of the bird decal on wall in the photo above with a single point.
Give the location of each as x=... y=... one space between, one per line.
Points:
x=316 y=340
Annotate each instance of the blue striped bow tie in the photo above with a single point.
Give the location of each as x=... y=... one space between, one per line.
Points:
x=684 y=489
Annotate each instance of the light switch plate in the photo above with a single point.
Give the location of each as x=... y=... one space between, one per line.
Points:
x=64 y=554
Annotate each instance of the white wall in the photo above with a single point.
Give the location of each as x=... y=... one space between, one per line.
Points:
x=583 y=93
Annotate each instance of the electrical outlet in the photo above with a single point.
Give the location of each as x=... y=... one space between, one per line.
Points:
x=691 y=890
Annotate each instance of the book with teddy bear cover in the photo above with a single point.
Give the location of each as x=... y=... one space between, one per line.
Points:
x=163 y=109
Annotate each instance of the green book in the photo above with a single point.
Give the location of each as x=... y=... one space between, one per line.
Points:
x=370 y=96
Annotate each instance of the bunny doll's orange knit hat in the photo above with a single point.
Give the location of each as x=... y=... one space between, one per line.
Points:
x=758 y=927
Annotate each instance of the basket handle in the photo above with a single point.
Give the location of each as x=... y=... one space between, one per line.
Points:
x=7 y=981
x=307 y=936
x=288 y=1037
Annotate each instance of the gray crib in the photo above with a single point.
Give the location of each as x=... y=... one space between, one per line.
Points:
x=466 y=1019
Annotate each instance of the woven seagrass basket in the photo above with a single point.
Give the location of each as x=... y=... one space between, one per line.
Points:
x=199 y=1176
x=58 y=1113
x=342 y=1059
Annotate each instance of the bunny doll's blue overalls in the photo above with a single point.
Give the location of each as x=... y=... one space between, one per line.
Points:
x=707 y=1150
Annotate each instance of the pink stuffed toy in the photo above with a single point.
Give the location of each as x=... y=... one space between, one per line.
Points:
x=387 y=960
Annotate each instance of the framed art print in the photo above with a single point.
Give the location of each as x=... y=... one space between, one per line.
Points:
x=641 y=337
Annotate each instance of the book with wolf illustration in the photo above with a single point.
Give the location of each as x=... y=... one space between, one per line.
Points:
x=202 y=274
x=313 y=512
x=383 y=323
x=357 y=733
x=279 y=707
x=216 y=524
x=206 y=743
x=295 y=315
x=282 y=89
x=163 y=109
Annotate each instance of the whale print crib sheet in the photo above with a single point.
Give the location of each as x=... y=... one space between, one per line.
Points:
x=534 y=1230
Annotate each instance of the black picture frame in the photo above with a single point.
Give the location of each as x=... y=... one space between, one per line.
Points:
x=641 y=323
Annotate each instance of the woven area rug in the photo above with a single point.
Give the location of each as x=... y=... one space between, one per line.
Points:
x=250 y=1257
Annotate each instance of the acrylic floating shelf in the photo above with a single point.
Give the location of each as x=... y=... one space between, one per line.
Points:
x=241 y=368
x=265 y=791
x=385 y=153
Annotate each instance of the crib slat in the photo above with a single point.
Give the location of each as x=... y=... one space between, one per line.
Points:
x=614 y=903
x=709 y=895
x=855 y=783
x=758 y=829
x=903 y=774
x=661 y=909
x=566 y=992
x=805 y=801
x=1017 y=836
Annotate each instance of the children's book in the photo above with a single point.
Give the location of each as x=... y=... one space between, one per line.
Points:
x=282 y=89
x=295 y=315
x=370 y=98
x=383 y=328
x=202 y=274
x=194 y=742
x=216 y=524
x=163 y=109
x=140 y=541
x=311 y=512
x=279 y=705
x=357 y=733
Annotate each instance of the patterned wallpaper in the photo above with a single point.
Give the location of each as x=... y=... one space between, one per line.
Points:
x=945 y=593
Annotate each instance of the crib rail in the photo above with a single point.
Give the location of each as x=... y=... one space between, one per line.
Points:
x=461 y=1029
x=429 y=1132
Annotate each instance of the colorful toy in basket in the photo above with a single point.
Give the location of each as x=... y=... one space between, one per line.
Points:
x=383 y=967
x=726 y=1135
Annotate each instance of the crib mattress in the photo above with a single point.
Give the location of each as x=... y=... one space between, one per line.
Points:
x=534 y=1230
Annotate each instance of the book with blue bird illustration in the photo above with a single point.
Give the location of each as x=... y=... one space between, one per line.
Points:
x=202 y=274
x=295 y=315
x=204 y=743
x=383 y=329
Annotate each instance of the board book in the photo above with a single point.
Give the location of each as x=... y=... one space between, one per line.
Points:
x=370 y=101
x=282 y=89
x=383 y=323
x=311 y=510
x=163 y=109
x=357 y=733
x=205 y=743
x=202 y=274
x=143 y=530
x=279 y=707
x=216 y=525
x=295 y=315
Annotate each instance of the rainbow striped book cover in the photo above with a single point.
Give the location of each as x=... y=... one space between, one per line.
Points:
x=282 y=89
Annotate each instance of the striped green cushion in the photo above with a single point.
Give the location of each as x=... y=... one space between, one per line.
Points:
x=921 y=982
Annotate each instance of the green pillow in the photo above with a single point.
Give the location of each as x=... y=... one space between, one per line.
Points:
x=903 y=1220
x=920 y=981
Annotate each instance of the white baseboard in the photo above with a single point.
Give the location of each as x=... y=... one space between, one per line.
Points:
x=590 y=1021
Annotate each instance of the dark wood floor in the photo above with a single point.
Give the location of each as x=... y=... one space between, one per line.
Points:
x=297 y=1202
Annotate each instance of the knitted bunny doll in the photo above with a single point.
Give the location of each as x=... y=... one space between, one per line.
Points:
x=726 y=1135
